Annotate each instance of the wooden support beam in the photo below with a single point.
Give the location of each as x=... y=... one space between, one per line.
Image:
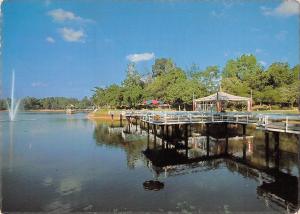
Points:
x=155 y=133
x=148 y=128
x=168 y=132
x=244 y=142
x=244 y=150
x=276 y=149
x=207 y=139
x=244 y=130
x=267 y=148
x=186 y=140
x=226 y=139
x=136 y=123
x=177 y=130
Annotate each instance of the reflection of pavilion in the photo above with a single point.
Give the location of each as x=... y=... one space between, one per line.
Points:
x=279 y=189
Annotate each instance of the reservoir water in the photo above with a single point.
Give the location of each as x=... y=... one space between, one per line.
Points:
x=52 y=162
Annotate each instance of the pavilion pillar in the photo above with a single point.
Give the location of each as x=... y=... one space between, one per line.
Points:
x=249 y=105
x=218 y=106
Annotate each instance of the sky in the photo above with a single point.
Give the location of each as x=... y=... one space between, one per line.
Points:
x=66 y=48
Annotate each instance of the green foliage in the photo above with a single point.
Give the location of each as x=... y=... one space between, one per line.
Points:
x=132 y=87
x=279 y=74
x=209 y=78
x=235 y=86
x=54 y=103
x=277 y=84
x=243 y=68
x=162 y=66
x=3 y=104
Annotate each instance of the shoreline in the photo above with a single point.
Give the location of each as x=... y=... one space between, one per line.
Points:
x=92 y=116
x=45 y=110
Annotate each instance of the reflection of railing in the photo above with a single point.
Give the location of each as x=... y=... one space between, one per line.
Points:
x=278 y=187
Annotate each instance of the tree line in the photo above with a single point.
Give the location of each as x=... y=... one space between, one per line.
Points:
x=277 y=84
x=51 y=103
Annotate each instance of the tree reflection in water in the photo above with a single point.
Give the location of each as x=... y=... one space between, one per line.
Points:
x=111 y=135
x=167 y=155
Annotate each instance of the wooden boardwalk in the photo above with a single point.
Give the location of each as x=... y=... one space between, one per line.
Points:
x=266 y=122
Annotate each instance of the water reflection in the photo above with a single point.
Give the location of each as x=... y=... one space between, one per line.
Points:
x=153 y=185
x=77 y=165
x=113 y=135
x=182 y=153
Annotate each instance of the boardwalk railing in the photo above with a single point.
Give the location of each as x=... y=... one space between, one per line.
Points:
x=278 y=123
x=288 y=124
x=164 y=118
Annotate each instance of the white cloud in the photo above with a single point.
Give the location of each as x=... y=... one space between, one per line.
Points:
x=140 y=57
x=50 y=39
x=71 y=35
x=281 y=35
x=60 y=15
x=263 y=63
x=39 y=84
x=286 y=8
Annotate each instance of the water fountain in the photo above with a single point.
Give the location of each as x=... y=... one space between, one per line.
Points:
x=14 y=104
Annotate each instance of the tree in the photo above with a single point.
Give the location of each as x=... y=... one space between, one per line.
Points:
x=244 y=67
x=162 y=66
x=99 y=97
x=235 y=86
x=279 y=74
x=208 y=78
x=3 y=104
x=132 y=87
x=31 y=103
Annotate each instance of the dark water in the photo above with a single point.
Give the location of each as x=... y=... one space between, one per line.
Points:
x=61 y=163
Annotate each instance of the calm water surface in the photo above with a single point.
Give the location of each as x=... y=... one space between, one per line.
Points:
x=61 y=163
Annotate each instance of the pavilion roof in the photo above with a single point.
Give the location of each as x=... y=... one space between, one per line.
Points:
x=222 y=96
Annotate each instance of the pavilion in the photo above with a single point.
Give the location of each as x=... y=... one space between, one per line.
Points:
x=218 y=101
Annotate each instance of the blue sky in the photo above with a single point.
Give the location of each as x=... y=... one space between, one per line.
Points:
x=65 y=48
